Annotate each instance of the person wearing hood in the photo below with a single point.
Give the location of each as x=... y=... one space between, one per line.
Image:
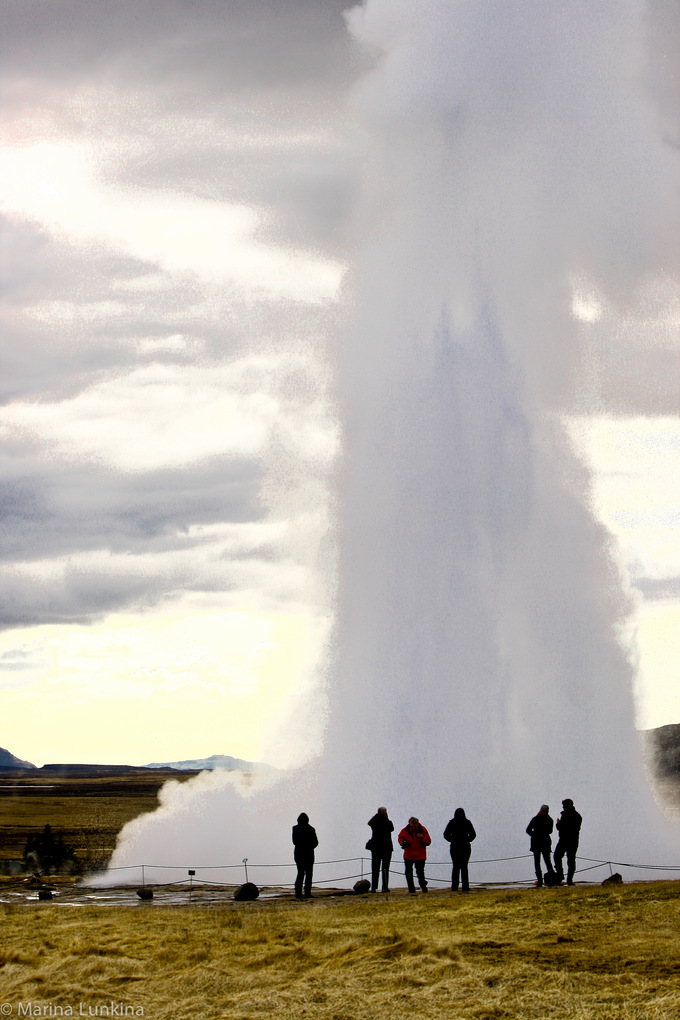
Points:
x=414 y=840
x=381 y=847
x=569 y=829
x=540 y=829
x=460 y=833
x=305 y=843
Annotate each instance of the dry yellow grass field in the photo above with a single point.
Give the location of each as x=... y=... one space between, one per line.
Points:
x=588 y=953
x=88 y=812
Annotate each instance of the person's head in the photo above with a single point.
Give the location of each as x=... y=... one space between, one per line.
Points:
x=413 y=822
x=568 y=804
x=303 y=819
x=459 y=813
x=544 y=809
x=382 y=811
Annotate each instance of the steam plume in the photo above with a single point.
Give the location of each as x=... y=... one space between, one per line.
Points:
x=513 y=154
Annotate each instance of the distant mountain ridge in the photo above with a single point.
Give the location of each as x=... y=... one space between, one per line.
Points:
x=663 y=746
x=215 y=761
x=10 y=761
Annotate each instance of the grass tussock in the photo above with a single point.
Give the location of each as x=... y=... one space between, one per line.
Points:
x=583 y=954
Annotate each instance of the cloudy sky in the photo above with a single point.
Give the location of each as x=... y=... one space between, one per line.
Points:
x=179 y=186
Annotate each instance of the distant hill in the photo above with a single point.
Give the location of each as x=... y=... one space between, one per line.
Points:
x=9 y=761
x=215 y=761
x=662 y=745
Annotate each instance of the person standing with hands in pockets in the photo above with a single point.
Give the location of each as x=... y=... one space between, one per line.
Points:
x=414 y=840
x=460 y=833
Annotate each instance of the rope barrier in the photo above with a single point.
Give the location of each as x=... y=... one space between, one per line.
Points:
x=595 y=862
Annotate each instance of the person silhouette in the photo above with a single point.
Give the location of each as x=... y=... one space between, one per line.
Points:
x=540 y=829
x=305 y=843
x=460 y=833
x=381 y=848
x=414 y=840
x=569 y=829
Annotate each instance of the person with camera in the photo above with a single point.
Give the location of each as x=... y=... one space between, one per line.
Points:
x=414 y=840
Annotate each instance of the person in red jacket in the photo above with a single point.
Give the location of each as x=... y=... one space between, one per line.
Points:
x=414 y=840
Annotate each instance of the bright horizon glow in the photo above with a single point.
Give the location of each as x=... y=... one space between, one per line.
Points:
x=157 y=686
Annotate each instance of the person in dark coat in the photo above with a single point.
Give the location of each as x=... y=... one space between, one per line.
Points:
x=414 y=840
x=381 y=847
x=460 y=833
x=305 y=843
x=540 y=829
x=569 y=829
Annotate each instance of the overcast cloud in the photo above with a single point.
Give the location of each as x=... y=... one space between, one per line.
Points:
x=169 y=172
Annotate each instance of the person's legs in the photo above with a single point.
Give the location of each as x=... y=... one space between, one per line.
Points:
x=548 y=862
x=408 y=871
x=420 y=872
x=455 y=872
x=571 y=864
x=560 y=851
x=308 y=877
x=537 y=867
x=376 y=861
x=299 y=879
x=464 y=879
x=386 y=872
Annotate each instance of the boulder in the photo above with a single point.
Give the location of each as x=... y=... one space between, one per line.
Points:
x=614 y=879
x=248 y=891
x=362 y=886
x=145 y=893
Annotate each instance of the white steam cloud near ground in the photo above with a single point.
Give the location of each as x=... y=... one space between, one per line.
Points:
x=340 y=407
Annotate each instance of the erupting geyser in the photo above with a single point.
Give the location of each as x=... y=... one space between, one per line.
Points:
x=512 y=156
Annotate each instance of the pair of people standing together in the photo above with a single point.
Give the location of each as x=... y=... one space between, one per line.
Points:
x=414 y=840
x=540 y=829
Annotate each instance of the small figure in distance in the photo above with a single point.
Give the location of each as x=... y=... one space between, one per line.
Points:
x=569 y=828
x=460 y=833
x=381 y=847
x=540 y=828
x=305 y=842
x=414 y=840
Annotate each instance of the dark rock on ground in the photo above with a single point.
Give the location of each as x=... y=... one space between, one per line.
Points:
x=248 y=891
